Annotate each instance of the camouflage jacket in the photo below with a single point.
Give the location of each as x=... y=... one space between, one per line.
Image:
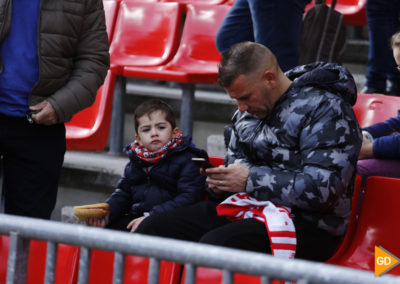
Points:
x=304 y=154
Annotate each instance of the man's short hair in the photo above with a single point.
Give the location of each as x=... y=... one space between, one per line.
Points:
x=150 y=106
x=242 y=59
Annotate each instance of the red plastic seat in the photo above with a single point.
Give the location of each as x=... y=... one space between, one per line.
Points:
x=353 y=11
x=135 y=270
x=377 y=225
x=88 y=130
x=373 y=108
x=66 y=262
x=146 y=34
x=110 y=11
x=197 y=58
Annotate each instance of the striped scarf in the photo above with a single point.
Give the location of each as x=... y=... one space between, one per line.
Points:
x=154 y=157
x=280 y=227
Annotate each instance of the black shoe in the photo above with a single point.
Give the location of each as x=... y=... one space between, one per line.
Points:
x=370 y=90
x=393 y=88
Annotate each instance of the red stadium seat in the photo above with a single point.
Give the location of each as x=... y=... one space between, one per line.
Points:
x=197 y=58
x=110 y=11
x=135 y=270
x=373 y=108
x=377 y=225
x=66 y=262
x=353 y=11
x=146 y=34
x=88 y=130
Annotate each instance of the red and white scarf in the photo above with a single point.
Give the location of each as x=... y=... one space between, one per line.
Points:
x=154 y=157
x=280 y=227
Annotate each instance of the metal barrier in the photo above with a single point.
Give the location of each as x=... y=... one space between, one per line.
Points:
x=21 y=229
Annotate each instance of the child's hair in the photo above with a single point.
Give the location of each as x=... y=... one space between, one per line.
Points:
x=150 y=106
x=395 y=40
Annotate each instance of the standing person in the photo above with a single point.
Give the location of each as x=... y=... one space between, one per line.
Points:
x=295 y=142
x=54 y=57
x=160 y=175
x=383 y=22
x=380 y=151
x=273 y=23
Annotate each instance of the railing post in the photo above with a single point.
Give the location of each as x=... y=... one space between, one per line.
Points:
x=190 y=273
x=154 y=270
x=118 y=116
x=84 y=264
x=186 y=123
x=118 y=275
x=51 y=256
x=227 y=277
x=17 y=259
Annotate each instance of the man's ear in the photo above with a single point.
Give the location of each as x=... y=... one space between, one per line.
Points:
x=269 y=78
x=175 y=132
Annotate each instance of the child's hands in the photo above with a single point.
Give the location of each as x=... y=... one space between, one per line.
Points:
x=96 y=222
x=135 y=223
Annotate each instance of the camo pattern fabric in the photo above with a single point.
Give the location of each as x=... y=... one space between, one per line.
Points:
x=304 y=154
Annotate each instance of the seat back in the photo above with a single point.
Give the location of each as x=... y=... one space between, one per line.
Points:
x=372 y=108
x=88 y=130
x=135 y=269
x=377 y=225
x=66 y=262
x=146 y=34
x=354 y=11
x=110 y=11
x=197 y=50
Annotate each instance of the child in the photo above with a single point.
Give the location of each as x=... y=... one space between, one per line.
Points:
x=160 y=175
x=380 y=151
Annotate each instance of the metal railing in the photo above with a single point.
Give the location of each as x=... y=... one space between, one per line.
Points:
x=21 y=229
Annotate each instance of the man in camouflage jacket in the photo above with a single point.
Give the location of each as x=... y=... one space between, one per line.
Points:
x=295 y=142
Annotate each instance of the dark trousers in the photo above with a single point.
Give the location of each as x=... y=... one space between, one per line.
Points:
x=383 y=22
x=273 y=23
x=200 y=223
x=32 y=157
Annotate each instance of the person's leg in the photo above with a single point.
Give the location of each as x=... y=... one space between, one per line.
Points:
x=236 y=27
x=380 y=57
x=377 y=167
x=187 y=223
x=277 y=25
x=32 y=159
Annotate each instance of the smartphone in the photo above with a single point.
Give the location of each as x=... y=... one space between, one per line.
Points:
x=203 y=163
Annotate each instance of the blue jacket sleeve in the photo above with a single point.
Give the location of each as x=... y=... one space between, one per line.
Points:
x=384 y=128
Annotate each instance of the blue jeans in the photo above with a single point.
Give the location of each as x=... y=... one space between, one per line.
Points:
x=32 y=159
x=273 y=23
x=383 y=22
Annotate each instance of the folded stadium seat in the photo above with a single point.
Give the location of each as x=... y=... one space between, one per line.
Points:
x=135 y=269
x=88 y=130
x=66 y=269
x=373 y=108
x=197 y=58
x=377 y=225
x=229 y=2
x=146 y=34
x=353 y=11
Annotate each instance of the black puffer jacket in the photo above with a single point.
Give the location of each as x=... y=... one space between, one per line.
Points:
x=72 y=50
x=304 y=154
x=173 y=182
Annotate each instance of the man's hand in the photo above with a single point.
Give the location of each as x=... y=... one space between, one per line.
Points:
x=231 y=178
x=45 y=113
x=135 y=223
x=366 y=151
x=96 y=222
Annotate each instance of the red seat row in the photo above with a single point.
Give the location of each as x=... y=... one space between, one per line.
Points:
x=146 y=42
